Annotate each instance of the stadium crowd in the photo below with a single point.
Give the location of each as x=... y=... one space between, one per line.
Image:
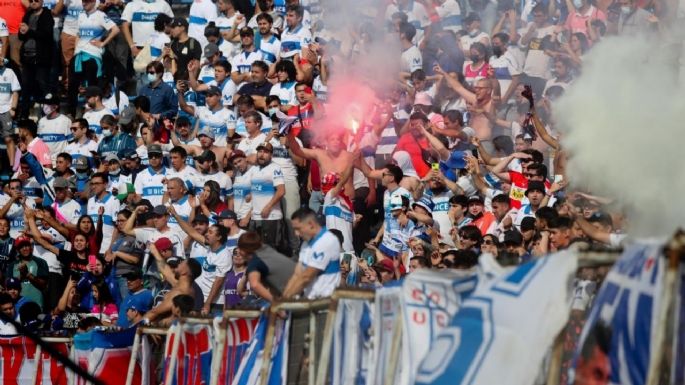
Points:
x=156 y=165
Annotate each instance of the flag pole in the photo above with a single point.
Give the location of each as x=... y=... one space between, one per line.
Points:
x=674 y=253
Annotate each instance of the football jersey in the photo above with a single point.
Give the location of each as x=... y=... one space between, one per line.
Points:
x=142 y=14
x=55 y=133
x=263 y=187
x=92 y=26
x=149 y=185
x=293 y=40
x=241 y=189
x=339 y=216
x=111 y=205
x=215 y=265
x=322 y=253
x=220 y=121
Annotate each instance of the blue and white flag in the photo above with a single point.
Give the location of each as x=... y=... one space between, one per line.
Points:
x=429 y=301
x=351 y=342
x=386 y=313
x=251 y=365
x=616 y=342
x=501 y=332
x=38 y=172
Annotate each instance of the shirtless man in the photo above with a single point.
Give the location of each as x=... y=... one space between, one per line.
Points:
x=181 y=281
x=479 y=103
x=332 y=159
x=206 y=137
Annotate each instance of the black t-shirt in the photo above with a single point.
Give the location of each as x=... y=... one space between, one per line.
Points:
x=185 y=52
x=74 y=267
x=255 y=89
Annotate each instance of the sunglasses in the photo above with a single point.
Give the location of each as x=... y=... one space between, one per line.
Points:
x=488 y=242
x=74 y=128
x=152 y=72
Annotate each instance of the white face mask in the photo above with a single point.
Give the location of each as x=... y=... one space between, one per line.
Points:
x=115 y=173
x=151 y=77
x=272 y=111
x=106 y=133
x=474 y=33
x=577 y=3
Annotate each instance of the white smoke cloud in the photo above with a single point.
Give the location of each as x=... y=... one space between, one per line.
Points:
x=621 y=122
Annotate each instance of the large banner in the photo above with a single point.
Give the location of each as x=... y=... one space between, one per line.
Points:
x=351 y=345
x=250 y=368
x=105 y=355
x=193 y=359
x=616 y=342
x=21 y=366
x=429 y=301
x=239 y=334
x=678 y=347
x=386 y=313
x=503 y=330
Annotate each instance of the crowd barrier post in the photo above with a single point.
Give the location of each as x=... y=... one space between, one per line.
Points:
x=218 y=356
x=297 y=306
x=324 y=359
x=394 y=351
x=136 y=346
x=39 y=352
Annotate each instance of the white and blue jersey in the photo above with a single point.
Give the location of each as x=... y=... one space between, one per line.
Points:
x=263 y=186
x=293 y=40
x=111 y=102
x=206 y=73
x=450 y=15
x=339 y=216
x=183 y=208
x=441 y=205
x=32 y=189
x=386 y=199
x=9 y=83
x=70 y=210
x=215 y=265
x=228 y=89
x=198 y=251
x=220 y=121
x=270 y=49
x=55 y=133
x=200 y=14
x=111 y=205
x=285 y=92
x=92 y=26
x=93 y=117
x=149 y=185
x=232 y=241
x=242 y=62
x=241 y=130
x=72 y=8
x=322 y=253
x=395 y=237
x=241 y=189
x=157 y=42
x=142 y=14
x=15 y=215
x=82 y=150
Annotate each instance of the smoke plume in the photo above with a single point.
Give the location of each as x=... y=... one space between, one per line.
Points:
x=621 y=124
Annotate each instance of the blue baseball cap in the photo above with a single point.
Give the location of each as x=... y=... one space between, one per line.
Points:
x=456 y=160
x=139 y=304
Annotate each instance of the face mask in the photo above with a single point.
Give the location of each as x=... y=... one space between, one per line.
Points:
x=626 y=10
x=497 y=51
x=577 y=3
x=272 y=111
x=107 y=133
x=473 y=33
x=475 y=58
x=151 y=77
x=115 y=173
x=47 y=109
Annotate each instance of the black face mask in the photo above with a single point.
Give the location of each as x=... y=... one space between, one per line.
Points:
x=475 y=58
x=497 y=51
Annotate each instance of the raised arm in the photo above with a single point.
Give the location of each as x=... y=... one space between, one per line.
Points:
x=185 y=226
x=542 y=131
x=453 y=83
x=300 y=151
x=162 y=266
x=435 y=142
x=30 y=216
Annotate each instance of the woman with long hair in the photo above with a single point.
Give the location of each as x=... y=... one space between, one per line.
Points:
x=210 y=203
x=84 y=226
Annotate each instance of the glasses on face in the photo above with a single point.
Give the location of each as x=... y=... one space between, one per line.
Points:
x=488 y=242
x=151 y=72
x=74 y=128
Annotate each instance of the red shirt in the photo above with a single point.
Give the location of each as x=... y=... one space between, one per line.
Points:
x=306 y=115
x=413 y=146
x=13 y=12
x=519 y=185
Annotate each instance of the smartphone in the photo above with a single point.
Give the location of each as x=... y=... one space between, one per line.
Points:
x=91 y=261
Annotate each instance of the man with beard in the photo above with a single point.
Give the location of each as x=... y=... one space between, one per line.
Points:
x=28 y=134
x=96 y=110
x=331 y=159
x=242 y=62
x=267 y=187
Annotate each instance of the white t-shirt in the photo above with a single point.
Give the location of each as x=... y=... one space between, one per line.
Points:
x=200 y=14
x=71 y=210
x=441 y=205
x=15 y=215
x=149 y=185
x=92 y=27
x=183 y=209
x=148 y=235
x=293 y=40
x=220 y=121
x=282 y=158
x=450 y=15
x=339 y=216
x=215 y=265
x=241 y=189
x=322 y=253
x=270 y=49
x=411 y=59
x=72 y=8
x=505 y=67
x=93 y=117
x=467 y=40
x=228 y=90
x=416 y=16
x=537 y=61
x=110 y=103
x=111 y=205
x=58 y=240
x=4 y=31
x=9 y=83
x=142 y=14
x=242 y=62
x=263 y=187
x=249 y=145
x=157 y=42
x=55 y=133
x=286 y=92
x=242 y=131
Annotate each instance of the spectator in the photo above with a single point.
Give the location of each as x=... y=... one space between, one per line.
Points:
x=54 y=127
x=7 y=309
x=183 y=48
x=160 y=94
x=35 y=33
x=138 y=299
x=30 y=270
